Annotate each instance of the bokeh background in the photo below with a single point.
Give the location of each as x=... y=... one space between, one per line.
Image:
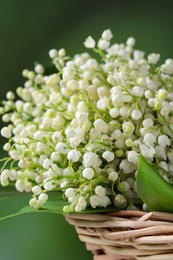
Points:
x=28 y=29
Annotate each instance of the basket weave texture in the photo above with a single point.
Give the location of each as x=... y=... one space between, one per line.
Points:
x=126 y=234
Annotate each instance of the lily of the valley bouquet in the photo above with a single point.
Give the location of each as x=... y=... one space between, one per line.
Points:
x=96 y=132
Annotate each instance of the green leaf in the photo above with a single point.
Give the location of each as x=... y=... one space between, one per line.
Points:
x=54 y=205
x=153 y=189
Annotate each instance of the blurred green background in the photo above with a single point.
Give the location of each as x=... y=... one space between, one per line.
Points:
x=28 y=29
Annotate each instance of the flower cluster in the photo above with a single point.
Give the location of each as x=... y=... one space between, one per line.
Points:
x=81 y=129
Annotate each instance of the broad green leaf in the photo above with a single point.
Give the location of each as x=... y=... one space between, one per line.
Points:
x=154 y=191
x=54 y=205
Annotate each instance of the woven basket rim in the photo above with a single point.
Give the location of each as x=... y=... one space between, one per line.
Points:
x=126 y=234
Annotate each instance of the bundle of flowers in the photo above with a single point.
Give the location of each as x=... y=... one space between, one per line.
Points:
x=82 y=129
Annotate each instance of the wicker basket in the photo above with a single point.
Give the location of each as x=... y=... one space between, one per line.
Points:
x=126 y=234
